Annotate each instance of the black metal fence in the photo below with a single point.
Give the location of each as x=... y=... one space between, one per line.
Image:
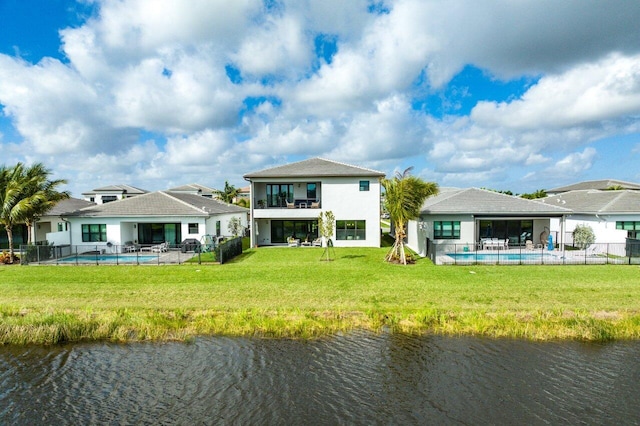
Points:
x=113 y=254
x=477 y=253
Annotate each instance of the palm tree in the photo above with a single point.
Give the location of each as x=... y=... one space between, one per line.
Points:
x=25 y=194
x=404 y=196
x=42 y=192
x=228 y=194
x=11 y=205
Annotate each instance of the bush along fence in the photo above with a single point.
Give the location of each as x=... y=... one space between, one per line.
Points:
x=501 y=254
x=130 y=254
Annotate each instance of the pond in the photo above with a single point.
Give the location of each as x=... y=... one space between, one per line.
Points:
x=359 y=378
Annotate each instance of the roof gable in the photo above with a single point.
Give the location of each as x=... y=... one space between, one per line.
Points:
x=161 y=203
x=314 y=167
x=481 y=201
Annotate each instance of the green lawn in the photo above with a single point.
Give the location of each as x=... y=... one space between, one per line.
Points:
x=291 y=292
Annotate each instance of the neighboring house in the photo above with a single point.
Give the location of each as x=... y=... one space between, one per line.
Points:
x=195 y=189
x=51 y=227
x=613 y=216
x=107 y=194
x=148 y=219
x=603 y=184
x=244 y=193
x=287 y=200
x=465 y=216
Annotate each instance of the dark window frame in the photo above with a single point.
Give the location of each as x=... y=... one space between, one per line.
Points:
x=351 y=229
x=451 y=233
x=92 y=235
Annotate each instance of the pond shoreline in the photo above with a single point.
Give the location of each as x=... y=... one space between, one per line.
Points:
x=23 y=327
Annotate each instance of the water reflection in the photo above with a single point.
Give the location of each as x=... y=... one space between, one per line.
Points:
x=359 y=378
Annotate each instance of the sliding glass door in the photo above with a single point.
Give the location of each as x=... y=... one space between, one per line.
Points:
x=301 y=229
x=156 y=233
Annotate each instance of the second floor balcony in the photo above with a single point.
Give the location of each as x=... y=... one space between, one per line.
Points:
x=294 y=195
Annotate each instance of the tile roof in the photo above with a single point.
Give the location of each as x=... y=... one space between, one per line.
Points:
x=597 y=202
x=602 y=184
x=481 y=201
x=67 y=206
x=161 y=203
x=127 y=189
x=314 y=167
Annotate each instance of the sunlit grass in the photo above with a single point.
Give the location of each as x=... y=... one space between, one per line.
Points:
x=289 y=292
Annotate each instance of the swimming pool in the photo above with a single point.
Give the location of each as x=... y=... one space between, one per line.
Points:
x=499 y=257
x=107 y=258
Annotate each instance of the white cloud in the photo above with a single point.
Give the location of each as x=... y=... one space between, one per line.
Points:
x=158 y=66
x=589 y=93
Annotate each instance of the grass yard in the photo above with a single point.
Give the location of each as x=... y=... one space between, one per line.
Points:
x=290 y=292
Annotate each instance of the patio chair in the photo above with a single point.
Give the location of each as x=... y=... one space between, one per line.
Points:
x=291 y=205
x=315 y=205
x=159 y=248
x=528 y=245
x=317 y=242
x=129 y=247
x=293 y=242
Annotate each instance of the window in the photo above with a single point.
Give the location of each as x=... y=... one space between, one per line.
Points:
x=108 y=198
x=446 y=230
x=311 y=191
x=351 y=229
x=60 y=227
x=218 y=228
x=364 y=185
x=628 y=226
x=193 y=228
x=632 y=228
x=279 y=194
x=94 y=233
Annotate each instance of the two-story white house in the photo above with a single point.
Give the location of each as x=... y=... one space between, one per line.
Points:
x=287 y=200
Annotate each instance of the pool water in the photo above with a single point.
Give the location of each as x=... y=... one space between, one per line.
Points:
x=499 y=256
x=107 y=258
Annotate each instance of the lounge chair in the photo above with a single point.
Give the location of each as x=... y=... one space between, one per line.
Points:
x=293 y=242
x=317 y=242
x=160 y=248
x=291 y=205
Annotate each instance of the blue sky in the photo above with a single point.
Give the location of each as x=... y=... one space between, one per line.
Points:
x=510 y=95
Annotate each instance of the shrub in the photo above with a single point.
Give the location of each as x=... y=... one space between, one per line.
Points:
x=583 y=236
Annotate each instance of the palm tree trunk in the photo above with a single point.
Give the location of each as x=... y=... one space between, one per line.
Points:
x=10 y=238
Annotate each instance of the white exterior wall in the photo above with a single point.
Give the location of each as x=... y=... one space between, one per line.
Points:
x=604 y=228
x=416 y=237
x=224 y=223
x=343 y=197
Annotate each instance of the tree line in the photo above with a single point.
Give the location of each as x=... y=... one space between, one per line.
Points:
x=26 y=193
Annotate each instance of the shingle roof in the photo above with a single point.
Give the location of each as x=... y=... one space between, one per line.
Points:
x=69 y=205
x=314 y=167
x=481 y=201
x=161 y=203
x=128 y=189
x=595 y=184
x=598 y=202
